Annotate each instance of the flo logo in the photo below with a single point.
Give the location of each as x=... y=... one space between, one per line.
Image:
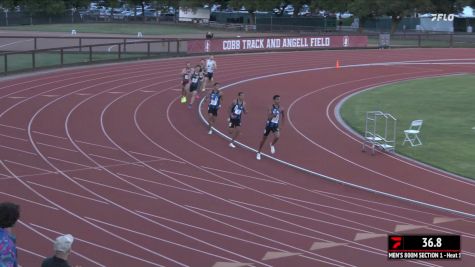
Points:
x=443 y=17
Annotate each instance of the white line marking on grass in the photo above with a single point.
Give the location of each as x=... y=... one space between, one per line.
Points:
x=16 y=42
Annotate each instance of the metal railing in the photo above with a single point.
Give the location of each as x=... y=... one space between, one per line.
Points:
x=16 y=61
x=86 y=51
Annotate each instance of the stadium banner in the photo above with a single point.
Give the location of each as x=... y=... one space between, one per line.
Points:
x=275 y=43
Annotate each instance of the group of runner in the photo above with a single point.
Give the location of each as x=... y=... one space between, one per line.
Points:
x=194 y=80
x=275 y=118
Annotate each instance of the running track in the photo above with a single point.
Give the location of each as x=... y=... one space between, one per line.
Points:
x=108 y=154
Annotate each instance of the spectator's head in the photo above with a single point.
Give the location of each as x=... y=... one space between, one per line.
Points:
x=9 y=214
x=62 y=246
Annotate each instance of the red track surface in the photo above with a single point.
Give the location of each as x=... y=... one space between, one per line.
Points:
x=109 y=155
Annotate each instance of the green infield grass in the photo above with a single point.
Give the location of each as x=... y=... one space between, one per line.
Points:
x=447 y=106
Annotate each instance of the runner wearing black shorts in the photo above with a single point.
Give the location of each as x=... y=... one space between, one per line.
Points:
x=275 y=118
x=194 y=84
x=237 y=108
x=215 y=99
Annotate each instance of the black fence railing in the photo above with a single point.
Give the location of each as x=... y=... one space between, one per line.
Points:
x=87 y=50
x=27 y=60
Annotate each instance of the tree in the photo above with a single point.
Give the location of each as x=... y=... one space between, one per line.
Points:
x=252 y=6
x=76 y=3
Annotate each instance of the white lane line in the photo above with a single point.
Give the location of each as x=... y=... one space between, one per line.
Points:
x=154 y=182
x=110 y=92
x=97 y=245
x=113 y=187
x=201 y=179
x=16 y=138
x=29 y=201
x=162 y=198
x=156 y=157
x=83 y=94
x=66 y=192
x=58 y=147
x=16 y=42
x=339 y=197
x=17 y=97
x=156 y=238
x=339 y=209
x=76 y=170
x=147 y=91
x=333 y=179
x=244 y=175
x=51 y=240
x=143 y=248
x=19 y=150
x=13 y=127
x=29 y=166
x=30 y=252
x=51 y=135
x=308 y=218
x=50 y=95
x=93 y=144
x=266 y=225
x=116 y=160
x=74 y=163
x=225 y=235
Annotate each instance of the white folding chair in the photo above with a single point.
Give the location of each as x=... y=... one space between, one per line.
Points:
x=412 y=134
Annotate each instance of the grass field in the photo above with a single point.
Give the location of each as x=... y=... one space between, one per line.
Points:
x=112 y=28
x=23 y=62
x=445 y=104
